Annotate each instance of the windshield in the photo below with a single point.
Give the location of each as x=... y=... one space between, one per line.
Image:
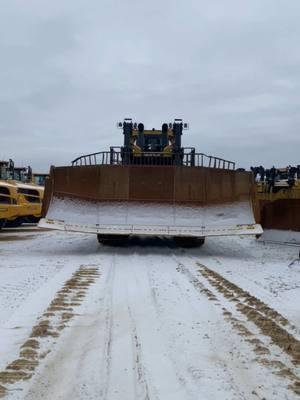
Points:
x=152 y=143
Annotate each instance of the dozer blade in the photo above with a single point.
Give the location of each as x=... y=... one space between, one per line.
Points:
x=150 y=200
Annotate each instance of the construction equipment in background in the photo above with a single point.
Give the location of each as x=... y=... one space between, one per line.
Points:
x=9 y=208
x=39 y=178
x=278 y=193
x=29 y=196
x=9 y=172
x=151 y=186
x=14 y=211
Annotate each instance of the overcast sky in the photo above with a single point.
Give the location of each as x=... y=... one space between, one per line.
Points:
x=70 y=69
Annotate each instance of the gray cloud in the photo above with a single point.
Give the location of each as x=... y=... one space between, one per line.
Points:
x=69 y=71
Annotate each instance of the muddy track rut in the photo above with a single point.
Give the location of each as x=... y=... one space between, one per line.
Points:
x=49 y=326
x=274 y=327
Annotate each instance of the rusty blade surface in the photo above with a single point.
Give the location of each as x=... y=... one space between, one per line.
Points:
x=169 y=199
x=282 y=214
x=150 y=183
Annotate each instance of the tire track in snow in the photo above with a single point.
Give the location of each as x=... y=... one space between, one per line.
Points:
x=108 y=296
x=182 y=379
x=150 y=341
x=141 y=386
x=193 y=374
x=160 y=311
x=268 y=321
x=268 y=327
x=49 y=327
x=125 y=375
x=231 y=290
x=190 y=379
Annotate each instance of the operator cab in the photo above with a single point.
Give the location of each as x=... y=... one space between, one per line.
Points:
x=157 y=147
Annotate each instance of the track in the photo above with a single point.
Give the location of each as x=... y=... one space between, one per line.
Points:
x=162 y=323
x=273 y=337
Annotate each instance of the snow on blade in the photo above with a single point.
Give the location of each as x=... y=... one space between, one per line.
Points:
x=151 y=218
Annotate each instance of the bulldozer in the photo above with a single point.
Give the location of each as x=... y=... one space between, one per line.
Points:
x=150 y=186
x=26 y=197
x=9 y=208
x=30 y=196
x=13 y=211
x=278 y=194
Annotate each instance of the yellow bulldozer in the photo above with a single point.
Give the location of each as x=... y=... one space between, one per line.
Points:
x=151 y=186
x=9 y=208
x=24 y=200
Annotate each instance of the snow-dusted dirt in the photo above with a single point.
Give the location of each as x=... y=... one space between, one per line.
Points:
x=150 y=321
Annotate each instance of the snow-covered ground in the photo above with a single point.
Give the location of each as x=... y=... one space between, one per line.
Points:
x=148 y=321
x=279 y=236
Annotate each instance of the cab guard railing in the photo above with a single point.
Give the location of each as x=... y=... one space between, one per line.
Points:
x=186 y=157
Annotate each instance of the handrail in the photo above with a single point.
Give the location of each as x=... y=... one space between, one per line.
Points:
x=186 y=158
